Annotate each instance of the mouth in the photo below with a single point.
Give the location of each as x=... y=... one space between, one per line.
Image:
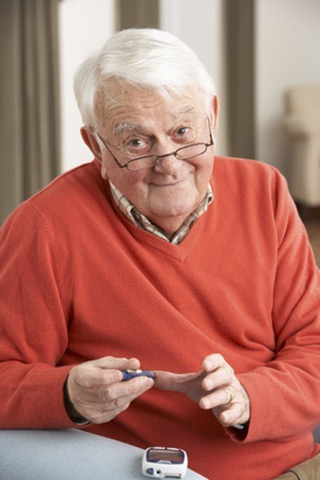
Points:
x=168 y=184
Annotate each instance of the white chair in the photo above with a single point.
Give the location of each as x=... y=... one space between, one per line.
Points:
x=302 y=124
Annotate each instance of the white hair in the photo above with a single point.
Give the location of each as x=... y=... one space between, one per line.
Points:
x=143 y=58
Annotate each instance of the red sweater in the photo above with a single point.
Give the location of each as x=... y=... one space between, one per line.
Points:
x=79 y=282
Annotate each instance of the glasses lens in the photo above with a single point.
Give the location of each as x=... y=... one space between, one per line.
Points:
x=142 y=163
x=191 y=151
x=183 y=153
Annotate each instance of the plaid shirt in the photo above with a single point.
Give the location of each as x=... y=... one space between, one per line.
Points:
x=141 y=221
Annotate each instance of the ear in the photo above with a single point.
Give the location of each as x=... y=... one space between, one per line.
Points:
x=91 y=142
x=214 y=113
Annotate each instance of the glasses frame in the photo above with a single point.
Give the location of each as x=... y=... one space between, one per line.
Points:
x=158 y=157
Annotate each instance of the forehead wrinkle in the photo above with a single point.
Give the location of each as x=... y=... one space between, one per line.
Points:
x=176 y=113
x=127 y=126
x=183 y=110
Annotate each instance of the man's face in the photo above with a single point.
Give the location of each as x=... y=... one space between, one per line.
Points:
x=145 y=123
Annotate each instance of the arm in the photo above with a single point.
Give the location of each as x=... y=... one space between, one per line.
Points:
x=283 y=395
x=34 y=338
x=33 y=326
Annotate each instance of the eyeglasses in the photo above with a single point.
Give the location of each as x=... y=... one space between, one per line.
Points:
x=148 y=161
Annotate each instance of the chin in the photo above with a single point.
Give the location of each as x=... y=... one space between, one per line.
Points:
x=170 y=213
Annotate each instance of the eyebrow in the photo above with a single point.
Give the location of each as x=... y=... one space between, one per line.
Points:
x=126 y=126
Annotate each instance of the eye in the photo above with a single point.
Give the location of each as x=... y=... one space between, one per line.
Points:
x=184 y=134
x=183 y=131
x=136 y=142
x=136 y=146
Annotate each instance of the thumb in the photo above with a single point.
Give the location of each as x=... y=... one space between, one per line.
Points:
x=116 y=363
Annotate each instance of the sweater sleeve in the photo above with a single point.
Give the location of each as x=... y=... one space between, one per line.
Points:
x=285 y=393
x=33 y=327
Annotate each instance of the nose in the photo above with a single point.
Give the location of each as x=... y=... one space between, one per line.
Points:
x=168 y=164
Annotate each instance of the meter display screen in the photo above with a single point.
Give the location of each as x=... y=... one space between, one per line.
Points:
x=172 y=456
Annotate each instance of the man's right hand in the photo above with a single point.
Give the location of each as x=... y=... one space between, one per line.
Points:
x=96 y=389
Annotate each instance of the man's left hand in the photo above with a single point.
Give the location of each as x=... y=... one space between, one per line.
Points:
x=215 y=387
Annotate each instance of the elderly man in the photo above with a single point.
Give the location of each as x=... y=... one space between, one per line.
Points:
x=157 y=255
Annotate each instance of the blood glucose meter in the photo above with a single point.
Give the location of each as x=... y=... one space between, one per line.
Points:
x=161 y=462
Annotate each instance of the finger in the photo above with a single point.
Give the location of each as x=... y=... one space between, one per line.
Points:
x=216 y=398
x=130 y=390
x=98 y=412
x=176 y=382
x=212 y=362
x=222 y=376
x=117 y=401
x=112 y=392
x=102 y=371
x=230 y=414
x=116 y=363
x=93 y=377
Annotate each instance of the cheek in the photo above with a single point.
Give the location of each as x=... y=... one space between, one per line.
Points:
x=132 y=180
x=108 y=167
x=204 y=172
x=129 y=183
x=110 y=170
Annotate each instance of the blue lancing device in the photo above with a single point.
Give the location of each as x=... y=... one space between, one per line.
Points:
x=128 y=374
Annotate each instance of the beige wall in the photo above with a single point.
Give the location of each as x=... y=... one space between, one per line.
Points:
x=84 y=26
x=287 y=54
